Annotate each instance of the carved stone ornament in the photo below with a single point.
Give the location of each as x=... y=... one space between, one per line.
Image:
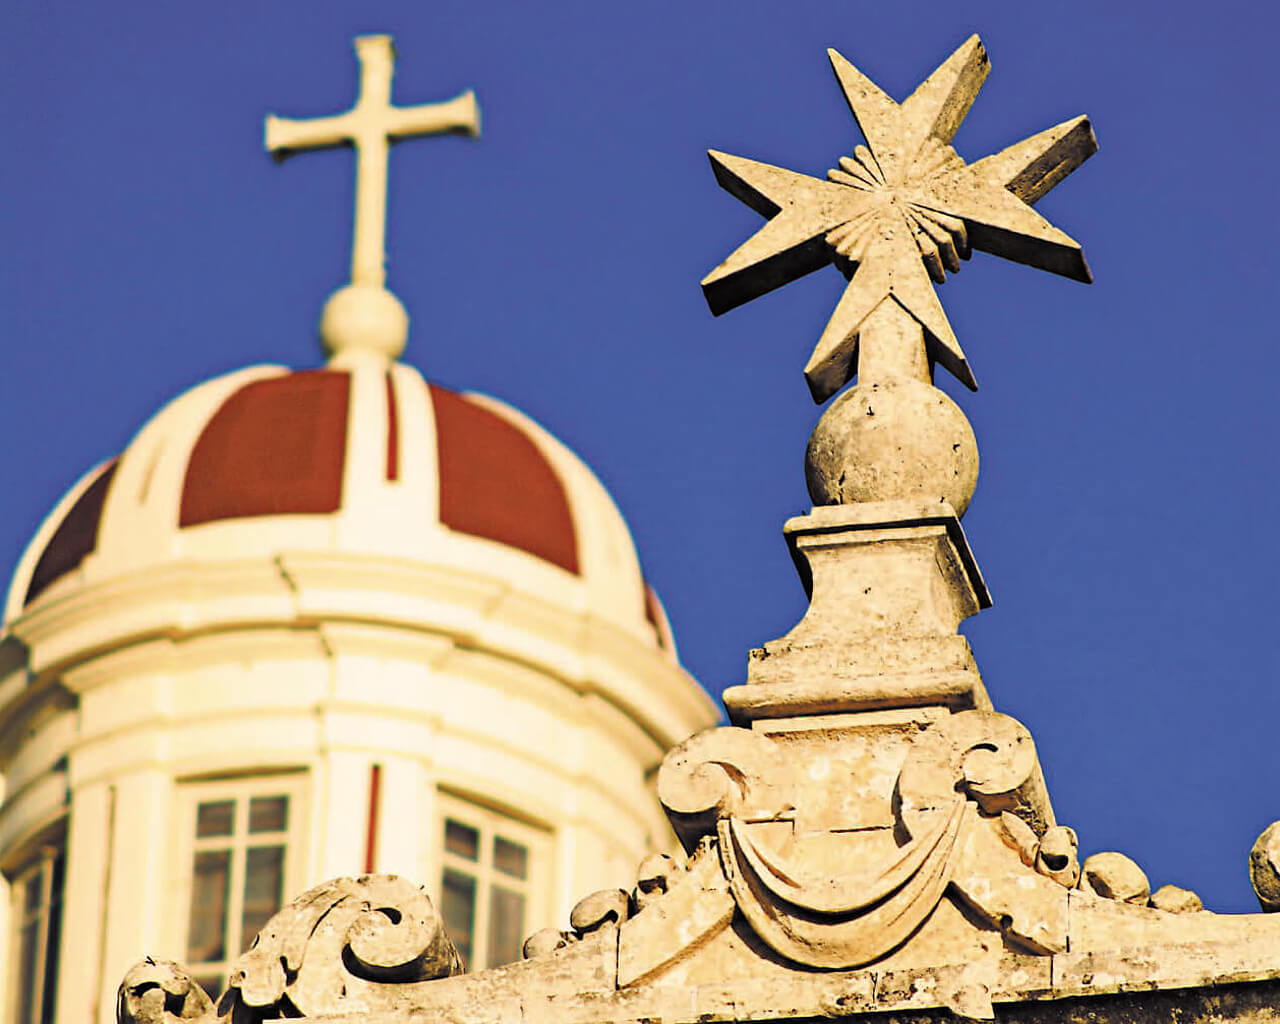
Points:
x=847 y=920
x=961 y=778
x=719 y=773
x=155 y=991
x=347 y=946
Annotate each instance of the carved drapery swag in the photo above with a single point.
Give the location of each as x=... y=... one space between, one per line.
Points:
x=969 y=789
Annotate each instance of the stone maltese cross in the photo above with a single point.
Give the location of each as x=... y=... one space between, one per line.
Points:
x=900 y=212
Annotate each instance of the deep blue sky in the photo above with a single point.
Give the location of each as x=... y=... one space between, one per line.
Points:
x=1125 y=515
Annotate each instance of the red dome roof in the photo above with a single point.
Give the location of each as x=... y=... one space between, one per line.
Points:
x=354 y=462
x=278 y=447
x=495 y=483
x=76 y=536
x=275 y=447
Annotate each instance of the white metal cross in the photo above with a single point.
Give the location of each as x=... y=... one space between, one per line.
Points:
x=370 y=127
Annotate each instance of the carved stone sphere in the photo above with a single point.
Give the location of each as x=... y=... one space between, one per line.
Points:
x=1113 y=876
x=889 y=440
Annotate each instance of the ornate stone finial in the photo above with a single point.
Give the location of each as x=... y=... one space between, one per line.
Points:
x=902 y=210
x=364 y=317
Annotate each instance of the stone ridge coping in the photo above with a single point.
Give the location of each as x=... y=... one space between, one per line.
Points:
x=1189 y=965
x=1220 y=981
x=884 y=515
x=1243 y=1003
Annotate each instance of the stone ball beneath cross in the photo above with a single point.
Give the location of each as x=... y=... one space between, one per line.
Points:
x=889 y=440
x=361 y=320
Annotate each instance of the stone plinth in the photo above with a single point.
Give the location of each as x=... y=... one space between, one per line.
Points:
x=889 y=583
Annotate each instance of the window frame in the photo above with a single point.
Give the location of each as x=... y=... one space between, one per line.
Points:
x=240 y=789
x=490 y=823
x=39 y=862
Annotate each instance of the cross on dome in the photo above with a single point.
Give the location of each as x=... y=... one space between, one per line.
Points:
x=902 y=210
x=364 y=317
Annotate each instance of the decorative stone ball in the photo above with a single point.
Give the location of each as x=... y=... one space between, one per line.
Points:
x=362 y=318
x=1264 y=868
x=892 y=439
x=1114 y=876
x=1173 y=899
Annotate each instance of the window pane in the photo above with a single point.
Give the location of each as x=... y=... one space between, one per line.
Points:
x=268 y=814
x=458 y=905
x=31 y=893
x=506 y=926
x=461 y=839
x=28 y=951
x=210 y=882
x=57 y=871
x=215 y=818
x=510 y=858
x=263 y=885
x=212 y=985
x=54 y=933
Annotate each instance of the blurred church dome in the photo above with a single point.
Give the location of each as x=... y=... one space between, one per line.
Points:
x=369 y=471
x=319 y=623
x=404 y=623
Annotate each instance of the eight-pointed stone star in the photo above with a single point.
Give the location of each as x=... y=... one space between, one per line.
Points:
x=904 y=209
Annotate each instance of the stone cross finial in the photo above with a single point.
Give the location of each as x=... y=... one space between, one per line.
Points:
x=364 y=316
x=902 y=210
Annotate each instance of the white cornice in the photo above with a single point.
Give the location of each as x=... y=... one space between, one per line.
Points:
x=82 y=634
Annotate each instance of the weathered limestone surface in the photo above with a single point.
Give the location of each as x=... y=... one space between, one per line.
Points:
x=868 y=836
x=889 y=582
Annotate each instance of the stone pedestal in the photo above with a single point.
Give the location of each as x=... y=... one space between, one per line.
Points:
x=889 y=583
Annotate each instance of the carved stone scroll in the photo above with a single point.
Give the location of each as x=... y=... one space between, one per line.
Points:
x=343 y=946
x=721 y=772
x=991 y=758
